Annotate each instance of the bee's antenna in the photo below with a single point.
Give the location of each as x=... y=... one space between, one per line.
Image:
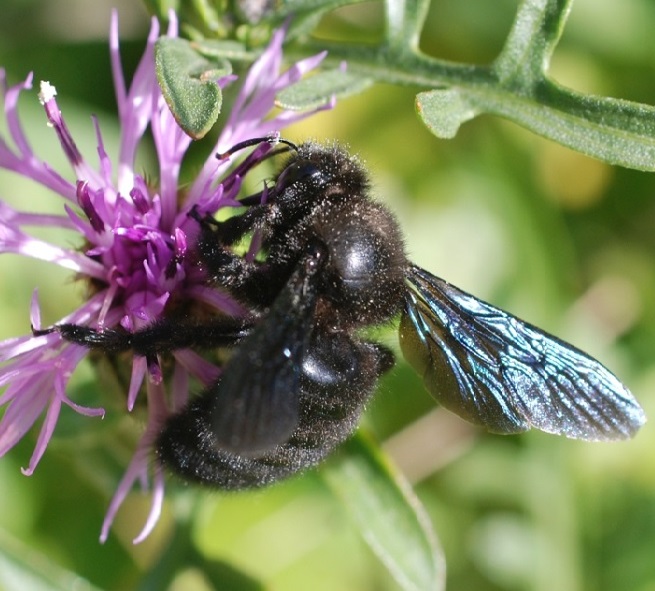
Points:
x=272 y=139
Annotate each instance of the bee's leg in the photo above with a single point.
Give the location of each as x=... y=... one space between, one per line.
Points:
x=225 y=267
x=160 y=337
x=230 y=231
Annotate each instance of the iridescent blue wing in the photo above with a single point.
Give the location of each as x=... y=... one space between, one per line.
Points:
x=497 y=371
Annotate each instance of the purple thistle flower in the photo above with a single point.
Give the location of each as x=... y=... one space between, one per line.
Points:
x=135 y=242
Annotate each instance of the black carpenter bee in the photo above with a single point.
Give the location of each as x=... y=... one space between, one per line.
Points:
x=300 y=374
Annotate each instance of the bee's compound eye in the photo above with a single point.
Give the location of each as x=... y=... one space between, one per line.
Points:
x=300 y=170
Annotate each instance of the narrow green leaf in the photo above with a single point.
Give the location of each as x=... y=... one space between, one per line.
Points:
x=223 y=49
x=388 y=514
x=443 y=111
x=613 y=130
x=537 y=28
x=405 y=19
x=188 y=83
x=317 y=90
x=296 y=6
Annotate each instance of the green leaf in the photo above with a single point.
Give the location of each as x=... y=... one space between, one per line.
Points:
x=405 y=19
x=388 y=515
x=516 y=86
x=22 y=567
x=188 y=83
x=528 y=48
x=443 y=111
x=317 y=90
x=613 y=130
x=223 y=49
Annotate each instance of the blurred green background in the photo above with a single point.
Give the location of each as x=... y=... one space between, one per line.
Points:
x=559 y=239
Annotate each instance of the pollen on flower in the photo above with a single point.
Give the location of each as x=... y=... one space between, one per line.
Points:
x=47 y=93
